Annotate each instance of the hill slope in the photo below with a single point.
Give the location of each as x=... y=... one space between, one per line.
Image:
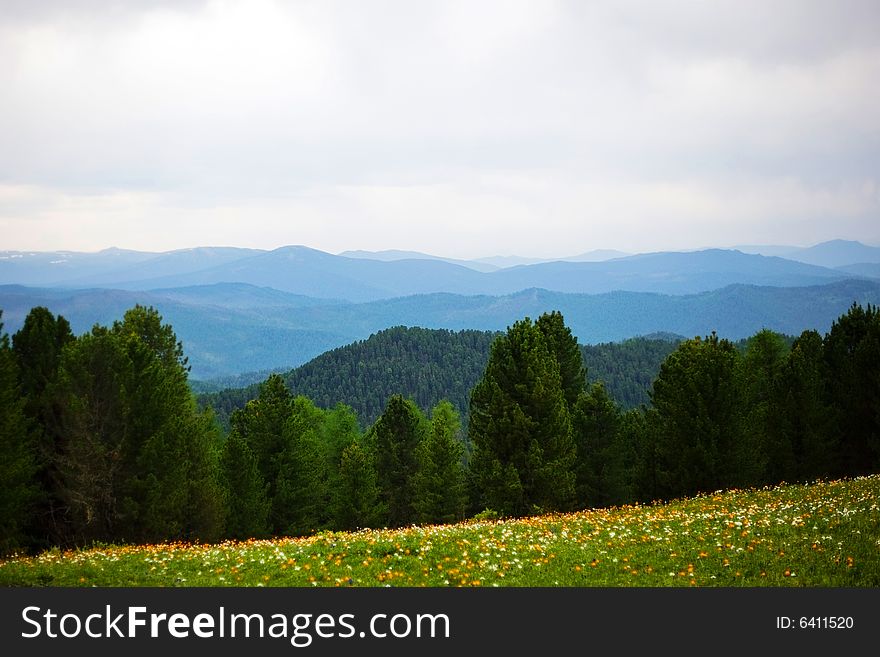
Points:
x=738 y=538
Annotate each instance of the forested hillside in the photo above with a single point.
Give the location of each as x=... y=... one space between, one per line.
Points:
x=427 y=365
x=101 y=440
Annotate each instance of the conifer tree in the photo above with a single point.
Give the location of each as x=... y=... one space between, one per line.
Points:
x=395 y=439
x=760 y=378
x=137 y=462
x=701 y=444
x=601 y=477
x=37 y=347
x=564 y=347
x=18 y=467
x=520 y=427
x=440 y=486
x=261 y=424
x=355 y=500
x=244 y=491
x=805 y=420
x=300 y=503
x=852 y=352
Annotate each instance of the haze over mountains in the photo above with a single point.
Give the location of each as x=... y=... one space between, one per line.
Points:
x=384 y=275
x=239 y=310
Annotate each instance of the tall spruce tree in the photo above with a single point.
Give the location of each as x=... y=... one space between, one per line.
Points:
x=564 y=347
x=852 y=352
x=760 y=378
x=37 y=346
x=440 y=485
x=395 y=439
x=520 y=427
x=601 y=467
x=18 y=466
x=355 y=499
x=805 y=419
x=137 y=462
x=701 y=446
x=244 y=491
x=301 y=496
x=261 y=424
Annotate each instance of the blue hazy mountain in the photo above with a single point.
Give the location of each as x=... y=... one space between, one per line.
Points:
x=59 y=267
x=837 y=253
x=227 y=329
x=309 y=272
x=833 y=254
x=391 y=255
x=865 y=269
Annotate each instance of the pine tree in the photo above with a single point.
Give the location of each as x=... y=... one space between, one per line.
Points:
x=18 y=466
x=701 y=445
x=355 y=501
x=244 y=491
x=300 y=503
x=852 y=352
x=137 y=461
x=440 y=486
x=760 y=378
x=564 y=347
x=520 y=428
x=37 y=347
x=805 y=420
x=601 y=477
x=261 y=424
x=395 y=439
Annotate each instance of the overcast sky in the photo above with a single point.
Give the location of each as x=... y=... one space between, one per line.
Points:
x=457 y=128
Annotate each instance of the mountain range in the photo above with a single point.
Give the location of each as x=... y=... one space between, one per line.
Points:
x=230 y=328
x=386 y=275
x=243 y=310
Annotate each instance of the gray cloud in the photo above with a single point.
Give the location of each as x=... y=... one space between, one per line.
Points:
x=633 y=125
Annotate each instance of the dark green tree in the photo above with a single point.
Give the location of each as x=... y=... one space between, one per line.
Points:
x=701 y=446
x=761 y=381
x=805 y=419
x=355 y=500
x=564 y=347
x=440 y=485
x=244 y=491
x=261 y=424
x=91 y=459
x=137 y=461
x=520 y=428
x=169 y=486
x=852 y=354
x=301 y=496
x=18 y=465
x=602 y=477
x=37 y=347
x=395 y=438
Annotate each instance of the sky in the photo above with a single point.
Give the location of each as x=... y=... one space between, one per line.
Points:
x=459 y=128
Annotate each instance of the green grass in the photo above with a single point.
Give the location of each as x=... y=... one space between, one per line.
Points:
x=822 y=534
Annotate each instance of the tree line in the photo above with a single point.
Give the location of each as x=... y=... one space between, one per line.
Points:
x=101 y=438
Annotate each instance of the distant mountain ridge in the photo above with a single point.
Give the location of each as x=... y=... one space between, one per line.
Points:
x=308 y=272
x=227 y=329
x=833 y=254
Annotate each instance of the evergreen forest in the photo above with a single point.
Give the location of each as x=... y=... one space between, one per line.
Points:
x=103 y=440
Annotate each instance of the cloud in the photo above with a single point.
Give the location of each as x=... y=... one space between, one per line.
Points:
x=389 y=113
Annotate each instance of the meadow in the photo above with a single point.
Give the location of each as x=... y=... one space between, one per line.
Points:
x=824 y=534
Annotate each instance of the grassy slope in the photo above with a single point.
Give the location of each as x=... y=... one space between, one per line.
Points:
x=824 y=534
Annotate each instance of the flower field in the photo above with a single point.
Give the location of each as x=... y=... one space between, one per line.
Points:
x=822 y=534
